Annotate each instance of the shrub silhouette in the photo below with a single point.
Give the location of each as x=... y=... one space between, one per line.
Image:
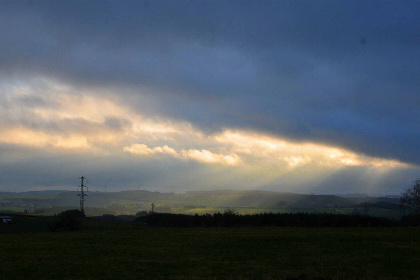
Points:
x=411 y=220
x=230 y=218
x=67 y=221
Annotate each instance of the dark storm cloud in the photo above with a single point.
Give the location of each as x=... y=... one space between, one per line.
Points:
x=338 y=72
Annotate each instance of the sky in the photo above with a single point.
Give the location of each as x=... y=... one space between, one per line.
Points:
x=287 y=96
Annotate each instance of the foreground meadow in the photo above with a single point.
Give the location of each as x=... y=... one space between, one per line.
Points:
x=213 y=253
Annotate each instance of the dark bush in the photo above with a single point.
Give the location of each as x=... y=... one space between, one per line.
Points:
x=411 y=220
x=67 y=221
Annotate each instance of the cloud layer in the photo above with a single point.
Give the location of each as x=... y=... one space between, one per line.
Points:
x=261 y=90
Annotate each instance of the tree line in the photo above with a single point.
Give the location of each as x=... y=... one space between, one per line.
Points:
x=229 y=219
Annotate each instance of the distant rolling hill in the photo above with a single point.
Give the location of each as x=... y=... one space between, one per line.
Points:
x=136 y=200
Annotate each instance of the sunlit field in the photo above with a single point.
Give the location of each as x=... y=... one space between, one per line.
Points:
x=213 y=253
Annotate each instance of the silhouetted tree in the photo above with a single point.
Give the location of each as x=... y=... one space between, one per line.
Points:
x=355 y=212
x=67 y=220
x=229 y=217
x=141 y=213
x=365 y=208
x=229 y=212
x=411 y=198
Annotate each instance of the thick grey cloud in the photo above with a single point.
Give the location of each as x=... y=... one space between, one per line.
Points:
x=338 y=72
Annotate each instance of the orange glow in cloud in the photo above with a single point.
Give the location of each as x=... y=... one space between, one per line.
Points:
x=204 y=156
x=82 y=121
x=25 y=137
x=298 y=154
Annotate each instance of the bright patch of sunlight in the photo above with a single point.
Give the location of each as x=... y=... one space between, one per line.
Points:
x=204 y=156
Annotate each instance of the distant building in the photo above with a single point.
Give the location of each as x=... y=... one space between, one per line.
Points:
x=6 y=219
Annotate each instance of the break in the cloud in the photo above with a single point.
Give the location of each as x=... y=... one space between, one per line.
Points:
x=244 y=93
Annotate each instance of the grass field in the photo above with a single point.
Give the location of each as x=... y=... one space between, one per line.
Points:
x=213 y=253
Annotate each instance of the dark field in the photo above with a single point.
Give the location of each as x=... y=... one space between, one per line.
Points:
x=213 y=253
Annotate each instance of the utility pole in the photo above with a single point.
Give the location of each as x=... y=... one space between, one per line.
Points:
x=82 y=194
x=152 y=222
